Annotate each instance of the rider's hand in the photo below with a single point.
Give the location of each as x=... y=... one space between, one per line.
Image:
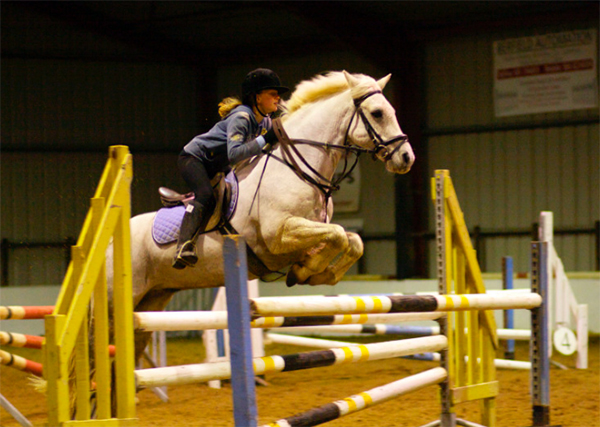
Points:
x=271 y=140
x=268 y=148
x=270 y=137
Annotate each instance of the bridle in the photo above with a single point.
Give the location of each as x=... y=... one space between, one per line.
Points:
x=380 y=144
x=327 y=186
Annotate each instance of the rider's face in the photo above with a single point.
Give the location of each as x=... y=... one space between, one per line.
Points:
x=267 y=101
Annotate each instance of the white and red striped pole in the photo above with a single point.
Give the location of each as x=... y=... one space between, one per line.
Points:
x=20 y=363
x=15 y=339
x=25 y=312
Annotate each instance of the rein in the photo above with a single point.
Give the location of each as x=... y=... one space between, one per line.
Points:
x=288 y=148
x=325 y=185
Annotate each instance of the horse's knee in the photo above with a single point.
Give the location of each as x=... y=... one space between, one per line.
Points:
x=336 y=239
x=355 y=245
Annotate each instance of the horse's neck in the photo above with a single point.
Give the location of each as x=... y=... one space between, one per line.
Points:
x=324 y=122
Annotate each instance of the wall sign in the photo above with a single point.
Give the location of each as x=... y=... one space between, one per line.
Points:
x=551 y=72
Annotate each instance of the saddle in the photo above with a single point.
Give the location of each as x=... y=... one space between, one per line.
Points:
x=165 y=228
x=167 y=221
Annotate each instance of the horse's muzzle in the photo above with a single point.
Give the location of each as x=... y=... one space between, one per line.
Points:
x=400 y=164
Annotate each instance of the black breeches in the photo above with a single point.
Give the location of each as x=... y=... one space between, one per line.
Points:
x=197 y=176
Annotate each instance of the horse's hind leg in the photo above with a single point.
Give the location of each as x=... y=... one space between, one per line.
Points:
x=335 y=271
x=154 y=300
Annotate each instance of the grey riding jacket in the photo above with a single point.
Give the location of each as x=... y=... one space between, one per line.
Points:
x=231 y=140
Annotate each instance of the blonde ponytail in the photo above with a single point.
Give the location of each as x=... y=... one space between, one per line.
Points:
x=228 y=104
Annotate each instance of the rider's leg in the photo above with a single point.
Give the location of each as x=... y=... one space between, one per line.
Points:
x=197 y=212
x=185 y=255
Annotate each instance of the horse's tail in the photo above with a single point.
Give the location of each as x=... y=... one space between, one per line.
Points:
x=40 y=385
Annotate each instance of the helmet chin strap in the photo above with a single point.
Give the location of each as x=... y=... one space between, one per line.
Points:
x=258 y=109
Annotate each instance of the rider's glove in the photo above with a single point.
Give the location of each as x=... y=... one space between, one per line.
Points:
x=270 y=139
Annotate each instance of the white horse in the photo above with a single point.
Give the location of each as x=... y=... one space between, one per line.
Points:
x=284 y=204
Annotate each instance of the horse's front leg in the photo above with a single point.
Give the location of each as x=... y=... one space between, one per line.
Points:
x=335 y=271
x=319 y=242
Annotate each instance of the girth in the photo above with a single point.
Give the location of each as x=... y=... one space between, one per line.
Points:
x=255 y=265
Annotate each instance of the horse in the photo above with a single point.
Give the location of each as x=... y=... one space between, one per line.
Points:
x=285 y=206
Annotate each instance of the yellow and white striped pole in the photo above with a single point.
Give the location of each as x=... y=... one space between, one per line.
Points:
x=201 y=320
x=314 y=306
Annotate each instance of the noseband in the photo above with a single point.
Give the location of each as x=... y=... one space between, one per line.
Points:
x=380 y=149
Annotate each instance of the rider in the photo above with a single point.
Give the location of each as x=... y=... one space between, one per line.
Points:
x=244 y=131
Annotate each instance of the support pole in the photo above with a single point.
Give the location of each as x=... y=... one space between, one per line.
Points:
x=443 y=232
x=507 y=284
x=240 y=344
x=540 y=358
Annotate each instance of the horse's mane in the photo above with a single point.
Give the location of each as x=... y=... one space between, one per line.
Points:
x=322 y=86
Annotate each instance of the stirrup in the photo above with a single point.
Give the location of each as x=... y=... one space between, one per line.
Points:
x=186 y=256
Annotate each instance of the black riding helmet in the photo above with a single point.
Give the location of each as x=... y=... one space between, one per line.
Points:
x=261 y=79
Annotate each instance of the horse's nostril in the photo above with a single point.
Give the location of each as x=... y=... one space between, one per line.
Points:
x=406 y=158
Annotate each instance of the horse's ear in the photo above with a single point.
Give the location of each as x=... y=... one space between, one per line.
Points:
x=383 y=81
x=352 y=81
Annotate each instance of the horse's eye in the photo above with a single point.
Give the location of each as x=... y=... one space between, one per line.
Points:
x=377 y=114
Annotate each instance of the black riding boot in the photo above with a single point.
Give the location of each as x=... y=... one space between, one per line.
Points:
x=191 y=225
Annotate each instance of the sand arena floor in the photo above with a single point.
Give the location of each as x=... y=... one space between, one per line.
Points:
x=575 y=394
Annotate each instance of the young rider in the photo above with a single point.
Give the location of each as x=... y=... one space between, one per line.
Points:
x=244 y=131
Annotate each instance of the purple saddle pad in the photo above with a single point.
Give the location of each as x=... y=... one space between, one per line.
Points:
x=166 y=224
x=167 y=221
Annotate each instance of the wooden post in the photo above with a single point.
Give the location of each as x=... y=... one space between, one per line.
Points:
x=101 y=334
x=122 y=291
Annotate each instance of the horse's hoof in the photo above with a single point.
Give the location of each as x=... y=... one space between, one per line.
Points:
x=291 y=279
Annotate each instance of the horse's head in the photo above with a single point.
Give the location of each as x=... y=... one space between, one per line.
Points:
x=374 y=125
